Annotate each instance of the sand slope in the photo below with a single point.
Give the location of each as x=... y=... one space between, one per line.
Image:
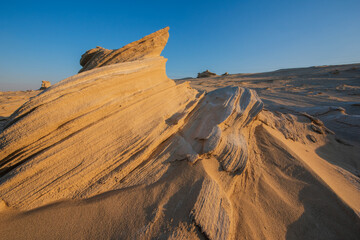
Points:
x=123 y=152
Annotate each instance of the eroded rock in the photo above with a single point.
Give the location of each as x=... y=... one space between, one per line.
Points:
x=208 y=130
x=45 y=85
x=147 y=47
x=212 y=211
x=206 y=74
x=70 y=142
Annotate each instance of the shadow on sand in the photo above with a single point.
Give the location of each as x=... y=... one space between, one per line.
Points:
x=333 y=215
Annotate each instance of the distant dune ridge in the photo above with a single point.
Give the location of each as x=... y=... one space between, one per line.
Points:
x=120 y=151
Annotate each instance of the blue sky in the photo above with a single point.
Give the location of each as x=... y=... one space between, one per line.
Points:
x=43 y=40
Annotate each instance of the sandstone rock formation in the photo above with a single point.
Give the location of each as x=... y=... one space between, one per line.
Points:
x=149 y=158
x=45 y=85
x=70 y=142
x=147 y=47
x=206 y=74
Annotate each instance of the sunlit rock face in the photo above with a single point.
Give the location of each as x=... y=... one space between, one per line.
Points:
x=147 y=47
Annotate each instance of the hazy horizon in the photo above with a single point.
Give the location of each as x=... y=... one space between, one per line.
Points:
x=44 y=40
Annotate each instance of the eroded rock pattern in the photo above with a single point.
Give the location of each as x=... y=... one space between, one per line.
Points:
x=216 y=127
x=213 y=212
x=126 y=153
x=124 y=125
x=147 y=47
x=74 y=139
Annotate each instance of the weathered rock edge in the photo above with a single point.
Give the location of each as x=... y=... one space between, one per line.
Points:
x=147 y=47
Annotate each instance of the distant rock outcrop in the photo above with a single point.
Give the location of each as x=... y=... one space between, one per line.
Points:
x=45 y=85
x=149 y=46
x=206 y=74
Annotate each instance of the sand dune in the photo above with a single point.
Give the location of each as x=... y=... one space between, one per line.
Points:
x=120 y=151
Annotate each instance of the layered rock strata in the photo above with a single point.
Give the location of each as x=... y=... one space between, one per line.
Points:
x=125 y=124
x=147 y=47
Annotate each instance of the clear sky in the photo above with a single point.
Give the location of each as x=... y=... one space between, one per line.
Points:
x=43 y=40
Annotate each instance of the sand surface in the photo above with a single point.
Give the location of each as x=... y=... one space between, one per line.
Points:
x=124 y=152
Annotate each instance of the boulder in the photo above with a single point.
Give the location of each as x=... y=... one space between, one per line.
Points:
x=45 y=85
